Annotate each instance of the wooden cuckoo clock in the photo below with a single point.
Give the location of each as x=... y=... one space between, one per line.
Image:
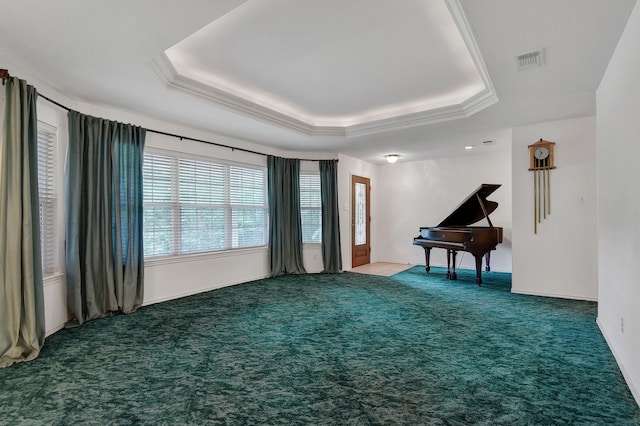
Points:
x=541 y=161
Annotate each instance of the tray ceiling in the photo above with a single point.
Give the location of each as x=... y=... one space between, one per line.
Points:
x=335 y=68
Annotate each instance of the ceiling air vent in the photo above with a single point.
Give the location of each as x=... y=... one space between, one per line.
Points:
x=529 y=60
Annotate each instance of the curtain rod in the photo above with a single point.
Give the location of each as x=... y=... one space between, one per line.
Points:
x=4 y=74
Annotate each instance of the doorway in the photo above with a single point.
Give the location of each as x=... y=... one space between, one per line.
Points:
x=360 y=221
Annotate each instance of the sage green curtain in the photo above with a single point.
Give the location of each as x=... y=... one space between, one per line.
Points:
x=104 y=251
x=331 y=252
x=22 y=326
x=285 y=226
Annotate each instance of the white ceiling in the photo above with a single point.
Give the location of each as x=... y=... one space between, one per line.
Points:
x=422 y=78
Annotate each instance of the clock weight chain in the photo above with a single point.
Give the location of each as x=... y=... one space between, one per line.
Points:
x=548 y=192
x=535 y=201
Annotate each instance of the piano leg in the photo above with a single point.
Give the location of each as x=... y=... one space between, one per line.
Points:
x=454 y=275
x=488 y=259
x=427 y=252
x=478 y=270
x=451 y=265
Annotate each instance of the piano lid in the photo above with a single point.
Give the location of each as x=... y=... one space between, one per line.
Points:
x=470 y=210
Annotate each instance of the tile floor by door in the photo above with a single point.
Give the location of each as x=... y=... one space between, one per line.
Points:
x=381 y=268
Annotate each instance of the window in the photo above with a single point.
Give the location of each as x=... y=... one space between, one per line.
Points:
x=310 y=207
x=48 y=192
x=195 y=206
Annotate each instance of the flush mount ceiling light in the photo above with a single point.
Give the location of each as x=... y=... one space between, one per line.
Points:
x=391 y=158
x=483 y=143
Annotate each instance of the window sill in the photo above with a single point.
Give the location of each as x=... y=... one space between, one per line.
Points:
x=196 y=257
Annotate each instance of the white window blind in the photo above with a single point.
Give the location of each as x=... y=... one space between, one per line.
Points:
x=247 y=192
x=193 y=206
x=160 y=216
x=202 y=206
x=48 y=193
x=310 y=207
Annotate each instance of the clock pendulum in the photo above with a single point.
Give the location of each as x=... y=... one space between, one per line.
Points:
x=540 y=163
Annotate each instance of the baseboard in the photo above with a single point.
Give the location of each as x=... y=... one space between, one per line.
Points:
x=59 y=327
x=201 y=290
x=627 y=377
x=55 y=329
x=555 y=295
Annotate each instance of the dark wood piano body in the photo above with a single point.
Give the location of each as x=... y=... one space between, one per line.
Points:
x=454 y=233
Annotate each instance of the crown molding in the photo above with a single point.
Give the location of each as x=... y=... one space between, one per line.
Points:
x=167 y=73
x=454 y=112
x=172 y=79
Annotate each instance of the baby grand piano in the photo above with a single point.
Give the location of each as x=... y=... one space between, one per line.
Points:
x=454 y=233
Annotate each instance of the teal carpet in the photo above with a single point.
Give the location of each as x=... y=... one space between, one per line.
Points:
x=349 y=349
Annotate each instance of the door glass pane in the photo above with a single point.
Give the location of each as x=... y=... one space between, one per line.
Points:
x=361 y=214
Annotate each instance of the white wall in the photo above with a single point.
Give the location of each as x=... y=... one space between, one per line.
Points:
x=423 y=193
x=561 y=259
x=347 y=167
x=618 y=127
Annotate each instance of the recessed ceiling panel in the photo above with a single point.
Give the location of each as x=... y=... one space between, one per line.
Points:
x=333 y=63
